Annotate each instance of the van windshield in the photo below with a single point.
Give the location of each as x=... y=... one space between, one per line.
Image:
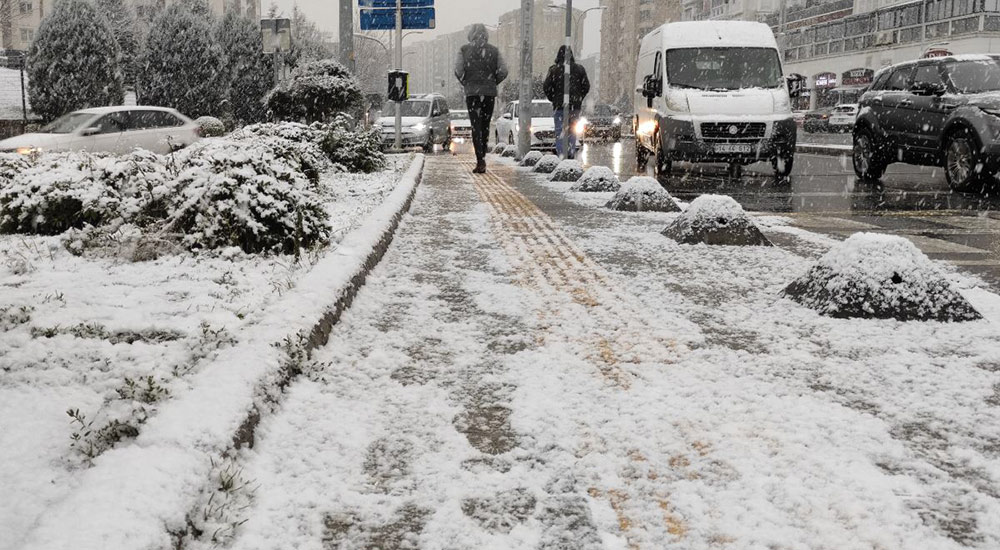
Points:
x=723 y=68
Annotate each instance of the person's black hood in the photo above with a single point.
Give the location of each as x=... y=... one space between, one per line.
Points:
x=561 y=56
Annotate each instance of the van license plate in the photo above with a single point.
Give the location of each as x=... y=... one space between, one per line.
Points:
x=733 y=148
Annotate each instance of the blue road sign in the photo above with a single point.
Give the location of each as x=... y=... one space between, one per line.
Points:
x=392 y=3
x=385 y=20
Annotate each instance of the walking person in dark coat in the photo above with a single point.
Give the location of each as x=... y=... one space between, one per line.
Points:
x=480 y=69
x=579 y=87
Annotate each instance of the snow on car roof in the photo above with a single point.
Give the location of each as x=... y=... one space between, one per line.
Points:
x=105 y=110
x=709 y=34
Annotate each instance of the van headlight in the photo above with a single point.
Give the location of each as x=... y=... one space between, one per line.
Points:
x=678 y=102
x=419 y=127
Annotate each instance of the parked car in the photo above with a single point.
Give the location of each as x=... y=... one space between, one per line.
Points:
x=602 y=122
x=842 y=117
x=943 y=111
x=111 y=130
x=817 y=120
x=713 y=91
x=425 y=122
x=461 y=126
x=543 y=125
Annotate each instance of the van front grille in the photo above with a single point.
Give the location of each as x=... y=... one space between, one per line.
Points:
x=733 y=131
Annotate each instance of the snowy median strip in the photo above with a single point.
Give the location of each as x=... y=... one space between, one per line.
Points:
x=832 y=149
x=139 y=496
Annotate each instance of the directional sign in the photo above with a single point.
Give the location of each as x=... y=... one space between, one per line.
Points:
x=392 y=3
x=385 y=20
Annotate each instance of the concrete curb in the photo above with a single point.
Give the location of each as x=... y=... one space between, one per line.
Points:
x=139 y=495
x=821 y=149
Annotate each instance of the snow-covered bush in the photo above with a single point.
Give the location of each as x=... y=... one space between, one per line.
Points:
x=11 y=164
x=315 y=92
x=881 y=277
x=499 y=148
x=210 y=126
x=142 y=181
x=58 y=192
x=294 y=131
x=250 y=70
x=73 y=62
x=509 y=151
x=356 y=150
x=717 y=220
x=531 y=158
x=547 y=164
x=293 y=142
x=245 y=194
x=567 y=171
x=643 y=194
x=182 y=66
x=597 y=179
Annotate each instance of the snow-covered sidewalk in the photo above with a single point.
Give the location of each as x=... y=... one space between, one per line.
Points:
x=529 y=370
x=114 y=341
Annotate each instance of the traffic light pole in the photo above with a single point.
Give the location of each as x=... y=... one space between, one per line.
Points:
x=566 y=78
x=399 y=64
x=347 y=34
x=527 y=78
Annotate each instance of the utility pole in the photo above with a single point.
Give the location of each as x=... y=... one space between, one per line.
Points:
x=527 y=78
x=399 y=64
x=566 y=78
x=347 y=34
x=782 y=21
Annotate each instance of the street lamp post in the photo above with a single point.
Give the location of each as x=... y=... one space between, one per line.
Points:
x=526 y=94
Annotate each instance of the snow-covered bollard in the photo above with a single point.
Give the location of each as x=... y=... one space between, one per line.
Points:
x=209 y=126
x=643 y=194
x=531 y=158
x=509 y=151
x=546 y=164
x=875 y=276
x=718 y=220
x=597 y=179
x=567 y=171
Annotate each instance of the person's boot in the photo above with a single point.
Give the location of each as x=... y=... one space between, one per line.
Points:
x=480 y=167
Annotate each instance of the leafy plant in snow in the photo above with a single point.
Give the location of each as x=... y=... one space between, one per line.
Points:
x=222 y=506
x=73 y=62
x=11 y=164
x=315 y=92
x=356 y=150
x=250 y=70
x=91 y=437
x=296 y=144
x=143 y=181
x=182 y=65
x=210 y=126
x=245 y=194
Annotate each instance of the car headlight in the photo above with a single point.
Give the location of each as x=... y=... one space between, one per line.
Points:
x=617 y=120
x=581 y=126
x=28 y=150
x=420 y=126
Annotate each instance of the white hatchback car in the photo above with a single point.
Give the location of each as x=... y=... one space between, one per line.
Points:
x=843 y=116
x=110 y=130
x=543 y=126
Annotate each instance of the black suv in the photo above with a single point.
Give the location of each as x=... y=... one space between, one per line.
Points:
x=942 y=111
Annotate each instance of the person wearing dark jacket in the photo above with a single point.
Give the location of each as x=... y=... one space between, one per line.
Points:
x=579 y=87
x=480 y=69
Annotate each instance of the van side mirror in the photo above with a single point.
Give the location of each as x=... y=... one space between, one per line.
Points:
x=652 y=87
x=794 y=87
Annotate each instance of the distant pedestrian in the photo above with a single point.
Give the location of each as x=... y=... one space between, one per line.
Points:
x=480 y=69
x=579 y=87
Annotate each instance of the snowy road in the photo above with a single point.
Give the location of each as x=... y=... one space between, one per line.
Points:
x=527 y=370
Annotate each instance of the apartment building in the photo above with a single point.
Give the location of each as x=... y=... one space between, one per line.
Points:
x=623 y=25
x=549 y=35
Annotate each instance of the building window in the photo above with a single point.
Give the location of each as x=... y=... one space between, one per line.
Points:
x=27 y=35
x=887 y=20
x=860 y=26
x=992 y=5
x=821 y=49
x=963 y=26
x=24 y=7
x=836 y=46
x=939 y=9
x=909 y=16
x=909 y=35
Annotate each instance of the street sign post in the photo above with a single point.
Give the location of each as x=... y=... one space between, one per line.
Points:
x=385 y=20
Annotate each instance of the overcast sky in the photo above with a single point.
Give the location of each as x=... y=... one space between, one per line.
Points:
x=452 y=15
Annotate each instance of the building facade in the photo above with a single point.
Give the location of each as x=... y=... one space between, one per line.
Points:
x=431 y=65
x=549 y=34
x=623 y=25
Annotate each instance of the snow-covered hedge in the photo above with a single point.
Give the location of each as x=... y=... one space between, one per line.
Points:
x=246 y=194
x=351 y=150
x=546 y=164
x=643 y=194
x=717 y=220
x=597 y=179
x=293 y=142
x=567 y=171
x=315 y=92
x=11 y=164
x=531 y=158
x=210 y=126
x=356 y=150
x=882 y=277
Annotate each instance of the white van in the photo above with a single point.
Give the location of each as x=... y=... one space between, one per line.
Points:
x=713 y=91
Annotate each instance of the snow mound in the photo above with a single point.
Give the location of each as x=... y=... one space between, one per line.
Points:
x=509 y=151
x=716 y=220
x=597 y=179
x=567 y=170
x=531 y=158
x=498 y=148
x=210 y=126
x=877 y=276
x=643 y=194
x=547 y=164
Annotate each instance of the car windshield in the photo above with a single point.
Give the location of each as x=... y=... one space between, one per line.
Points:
x=542 y=109
x=458 y=115
x=409 y=108
x=67 y=124
x=723 y=68
x=973 y=77
x=604 y=110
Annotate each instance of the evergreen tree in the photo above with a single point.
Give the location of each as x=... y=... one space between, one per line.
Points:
x=250 y=71
x=73 y=62
x=315 y=92
x=182 y=65
x=124 y=27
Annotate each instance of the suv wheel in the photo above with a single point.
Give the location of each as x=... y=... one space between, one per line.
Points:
x=661 y=162
x=782 y=164
x=429 y=145
x=868 y=162
x=963 y=164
